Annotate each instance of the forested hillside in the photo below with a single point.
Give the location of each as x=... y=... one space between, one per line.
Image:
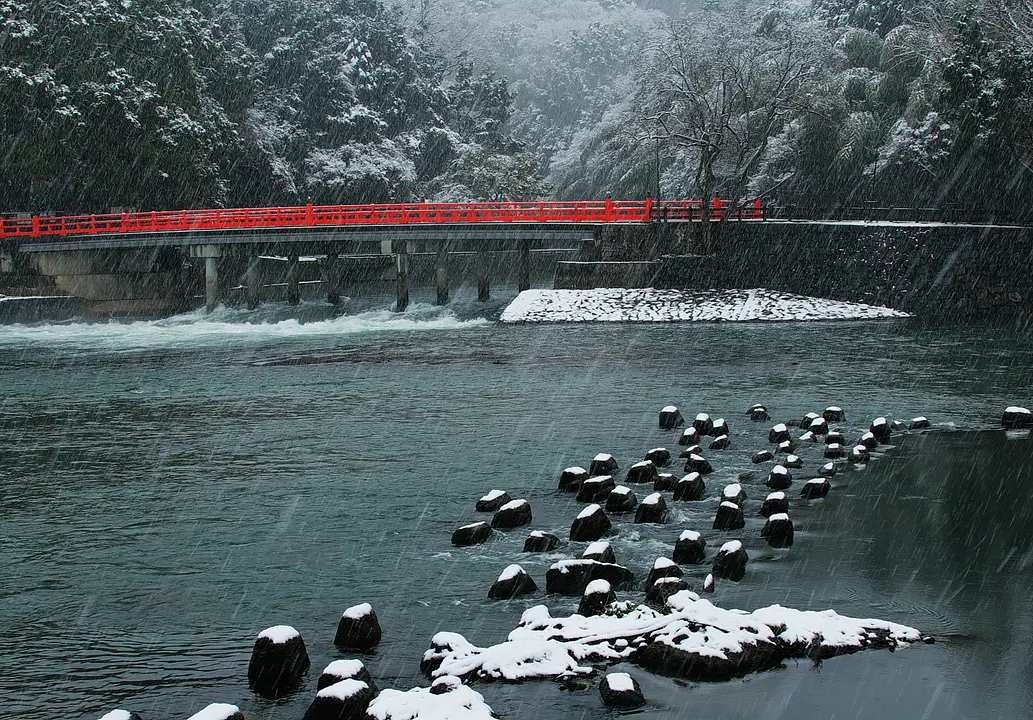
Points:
x=187 y=103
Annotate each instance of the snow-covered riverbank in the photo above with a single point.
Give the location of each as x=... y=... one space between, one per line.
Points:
x=649 y=305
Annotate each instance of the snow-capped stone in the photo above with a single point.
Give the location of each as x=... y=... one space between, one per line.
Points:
x=763 y=456
x=776 y=502
x=690 y=549
x=734 y=493
x=621 y=500
x=779 y=433
x=780 y=478
x=810 y=417
x=703 y=424
x=571 y=577
x=808 y=437
x=662 y=568
x=658 y=593
x=834 y=413
x=603 y=464
x=721 y=442
x=869 y=441
x=816 y=488
x=591 y=524
x=660 y=457
x=665 y=482
x=719 y=428
x=690 y=436
x=835 y=436
x=278 y=660
x=515 y=513
x=446 y=699
x=600 y=551
x=1016 y=417
x=880 y=428
x=596 y=489
x=120 y=715
x=834 y=451
x=571 y=478
x=919 y=423
x=493 y=501
x=340 y=670
x=858 y=454
x=642 y=472
x=620 y=690
x=758 y=413
x=540 y=541
x=793 y=462
x=358 y=629
x=698 y=463
x=670 y=418
x=218 y=711
x=652 y=509
x=690 y=488
x=472 y=534
x=597 y=597
x=731 y=561
x=708 y=583
x=818 y=426
x=778 y=531
x=828 y=469
x=729 y=517
x=785 y=447
x=513 y=582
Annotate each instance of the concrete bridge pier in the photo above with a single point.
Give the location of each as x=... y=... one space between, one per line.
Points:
x=400 y=248
x=293 y=276
x=253 y=281
x=524 y=266
x=483 y=290
x=441 y=273
x=211 y=255
x=330 y=271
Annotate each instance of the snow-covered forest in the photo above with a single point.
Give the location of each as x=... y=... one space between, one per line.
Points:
x=156 y=104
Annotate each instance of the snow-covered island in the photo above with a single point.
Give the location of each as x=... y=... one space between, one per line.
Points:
x=659 y=306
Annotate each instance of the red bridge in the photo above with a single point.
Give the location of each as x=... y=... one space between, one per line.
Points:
x=370 y=216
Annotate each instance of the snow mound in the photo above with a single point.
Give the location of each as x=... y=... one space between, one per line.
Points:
x=650 y=305
x=458 y=703
x=696 y=640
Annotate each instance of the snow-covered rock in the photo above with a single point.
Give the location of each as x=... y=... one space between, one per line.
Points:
x=590 y=524
x=762 y=456
x=733 y=493
x=778 y=531
x=779 y=433
x=689 y=437
x=731 y=561
x=597 y=597
x=776 y=502
x=540 y=541
x=596 y=489
x=446 y=699
x=513 y=582
x=513 y=514
x=359 y=628
x=1016 y=417
x=663 y=567
x=344 y=700
x=340 y=670
x=671 y=418
x=600 y=551
x=834 y=413
x=603 y=464
x=472 y=534
x=571 y=577
x=571 y=479
x=698 y=463
x=642 y=472
x=721 y=442
x=660 y=457
x=729 y=517
x=919 y=423
x=620 y=690
x=780 y=478
x=621 y=500
x=690 y=549
x=652 y=509
x=816 y=488
x=690 y=488
x=493 y=501
x=278 y=660
x=218 y=711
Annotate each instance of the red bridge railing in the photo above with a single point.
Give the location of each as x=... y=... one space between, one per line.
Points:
x=314 y=216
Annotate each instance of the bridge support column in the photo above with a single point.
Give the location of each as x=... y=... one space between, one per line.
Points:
x=483 y=291
x=331 y=272
x=400 y=248
x=441 y=273
x=293 y=293
x=211 y=255
x=253 y=279
x=524 y=266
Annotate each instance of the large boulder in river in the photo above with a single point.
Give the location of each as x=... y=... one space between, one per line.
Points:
x=834 y=414
x=621 y=500
x=513 y=582
x=642 y=472
x=340 y=670
x=596 y=489
x=758 y=413
x=665 y=482
x=919 y=423
x=778 y=531
x=493 y=501
x=278 y=661
x=793 y=462
x=762 y=456
x=834 y=451
x=881 y=429
x=571 y=479
x=780 y=478
x=600 y=551
x=571 y=577
x=869 y=441
x=776 y=502
x=698 y=463
x=719 y=428
x=540 y=541
x=603 y=464
x=733 y=493
x=658 y=593
x=690 y=488
x=689 y=437
x=216 y=711
x=661 y=457
x=1016 y=418
x=729 y=517
x=721 y=442
x=818 y=426
x=620 y=690
x=663 y=567
x=691 y=548
x=858 y=454
x=652 y=509
x=805 y=422
x=597 y=597
x=835 y=437
x=511 y=515
x=828 y=469
x=703 y=424
x=779 y=433
x=345 y=700
x=816 y=488
x=731 y=561
x=590 y=524
x=472 y=534
x=358 y=629
x=670 y=418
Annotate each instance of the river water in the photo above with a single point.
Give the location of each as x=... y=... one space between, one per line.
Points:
x=168 y=489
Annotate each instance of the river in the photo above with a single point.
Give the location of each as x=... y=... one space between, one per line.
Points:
x=170 y=488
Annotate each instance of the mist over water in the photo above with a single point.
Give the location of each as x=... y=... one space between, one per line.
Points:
x=171 y=488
